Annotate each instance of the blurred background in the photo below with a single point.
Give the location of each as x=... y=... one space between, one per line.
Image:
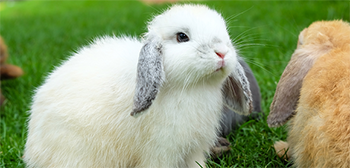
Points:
x=39 y=35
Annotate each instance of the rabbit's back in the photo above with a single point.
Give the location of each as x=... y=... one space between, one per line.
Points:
x=82 y=102
x=91 y=81
x=321 y=129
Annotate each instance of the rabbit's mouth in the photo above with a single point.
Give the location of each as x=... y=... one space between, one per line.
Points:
x=218 y=69
x=221 y=64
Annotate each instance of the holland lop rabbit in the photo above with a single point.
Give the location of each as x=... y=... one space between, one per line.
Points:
x=314 y=93
x=121 y=102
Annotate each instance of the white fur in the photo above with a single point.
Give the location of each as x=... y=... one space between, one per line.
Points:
x=80 y=116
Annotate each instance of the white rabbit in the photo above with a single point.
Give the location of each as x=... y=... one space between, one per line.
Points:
x=179 y=77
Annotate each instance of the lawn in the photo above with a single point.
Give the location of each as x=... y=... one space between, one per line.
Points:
x=41 y=34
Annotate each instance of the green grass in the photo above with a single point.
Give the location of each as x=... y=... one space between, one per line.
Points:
x=40 y=34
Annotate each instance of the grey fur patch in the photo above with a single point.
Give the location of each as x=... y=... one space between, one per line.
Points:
x=237 y=94
x=150 y=77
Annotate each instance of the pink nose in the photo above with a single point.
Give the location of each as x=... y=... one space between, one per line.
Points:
x=221 y=55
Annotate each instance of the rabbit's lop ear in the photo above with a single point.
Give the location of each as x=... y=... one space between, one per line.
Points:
x=236 y=91
x=150 y=76
x=288 y=88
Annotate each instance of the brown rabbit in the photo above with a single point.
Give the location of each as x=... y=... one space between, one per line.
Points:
x=314 y=93
x=6 y=71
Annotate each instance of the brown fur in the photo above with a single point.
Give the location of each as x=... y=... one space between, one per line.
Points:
x=6 y=71
x=319 y=132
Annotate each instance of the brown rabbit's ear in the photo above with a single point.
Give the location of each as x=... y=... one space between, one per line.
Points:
x=288 y=88
x=301 y=38
x=150 y=76
x=236 y=91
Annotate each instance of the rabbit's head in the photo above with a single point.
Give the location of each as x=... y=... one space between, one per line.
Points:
x=316 y=40
x=185 y=46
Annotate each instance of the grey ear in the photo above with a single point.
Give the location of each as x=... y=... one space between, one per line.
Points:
x=288 y=88
x=231 y=120
x=236 y=92
x=150 y=76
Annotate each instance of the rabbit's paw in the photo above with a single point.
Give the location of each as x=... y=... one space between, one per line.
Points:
x=221 y=146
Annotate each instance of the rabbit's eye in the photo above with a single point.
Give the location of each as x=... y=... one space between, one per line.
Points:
x=182 y=37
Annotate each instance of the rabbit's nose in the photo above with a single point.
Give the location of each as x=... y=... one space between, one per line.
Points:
x=221 y=50
x=220 y=54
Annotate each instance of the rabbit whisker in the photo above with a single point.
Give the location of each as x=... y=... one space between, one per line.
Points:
x=230 y=18
x=259 y=65
x=243 y=33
